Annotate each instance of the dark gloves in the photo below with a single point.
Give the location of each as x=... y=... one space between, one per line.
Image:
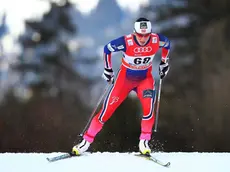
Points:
x=108 y=75
x=163 y=69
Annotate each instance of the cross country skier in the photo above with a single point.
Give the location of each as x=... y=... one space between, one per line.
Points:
x=139 y=49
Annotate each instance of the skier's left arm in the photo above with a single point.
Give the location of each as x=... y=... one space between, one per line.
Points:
x=164 y=43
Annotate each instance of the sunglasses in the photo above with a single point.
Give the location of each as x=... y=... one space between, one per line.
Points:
x=143 y=35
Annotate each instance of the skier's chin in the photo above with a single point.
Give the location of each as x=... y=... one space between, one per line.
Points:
x=142 y=42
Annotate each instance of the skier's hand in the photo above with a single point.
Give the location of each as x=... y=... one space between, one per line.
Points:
x=108 y=75
x=163 y=69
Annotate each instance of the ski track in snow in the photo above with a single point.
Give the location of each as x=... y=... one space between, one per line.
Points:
x=115 y=162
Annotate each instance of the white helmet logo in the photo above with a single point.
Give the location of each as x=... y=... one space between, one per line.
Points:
x=142 y=49
x=143 y=27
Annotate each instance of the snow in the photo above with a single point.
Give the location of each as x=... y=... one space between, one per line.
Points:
x=115 y=162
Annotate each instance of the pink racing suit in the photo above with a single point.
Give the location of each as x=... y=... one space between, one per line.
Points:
x=135 y=74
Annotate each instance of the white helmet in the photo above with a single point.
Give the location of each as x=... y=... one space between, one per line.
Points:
x=142 y=26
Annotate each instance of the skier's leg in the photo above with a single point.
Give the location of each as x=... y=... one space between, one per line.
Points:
x=146 y=94
x=115 y=97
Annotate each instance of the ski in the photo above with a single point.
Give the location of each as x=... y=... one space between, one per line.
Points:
x=147 y=157
x=153 y=159
x=60 y=157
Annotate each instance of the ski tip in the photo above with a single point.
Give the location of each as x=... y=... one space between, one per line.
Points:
x=168 y=164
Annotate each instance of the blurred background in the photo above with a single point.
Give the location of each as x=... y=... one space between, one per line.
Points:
x=51 y=64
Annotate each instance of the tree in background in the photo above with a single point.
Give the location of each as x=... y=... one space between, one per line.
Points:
x=49 y=55
x=57 y=94
x=213 y=52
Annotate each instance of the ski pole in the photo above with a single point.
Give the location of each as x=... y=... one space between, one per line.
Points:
x=99 y=102
x=158 y=104
x=92 y=114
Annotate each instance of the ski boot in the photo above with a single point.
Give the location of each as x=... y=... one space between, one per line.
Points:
x=80 y=148
x=144 y=147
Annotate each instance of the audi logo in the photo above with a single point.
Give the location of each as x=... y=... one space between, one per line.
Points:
x=142 y=49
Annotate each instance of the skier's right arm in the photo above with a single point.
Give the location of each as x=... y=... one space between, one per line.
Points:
x=113 y=46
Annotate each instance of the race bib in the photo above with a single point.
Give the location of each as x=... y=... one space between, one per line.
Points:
x=138 y=63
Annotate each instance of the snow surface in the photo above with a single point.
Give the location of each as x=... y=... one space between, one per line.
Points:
x=115 y=162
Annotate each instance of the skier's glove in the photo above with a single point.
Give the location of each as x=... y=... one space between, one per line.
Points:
x=163 y=69
x=108 y=75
